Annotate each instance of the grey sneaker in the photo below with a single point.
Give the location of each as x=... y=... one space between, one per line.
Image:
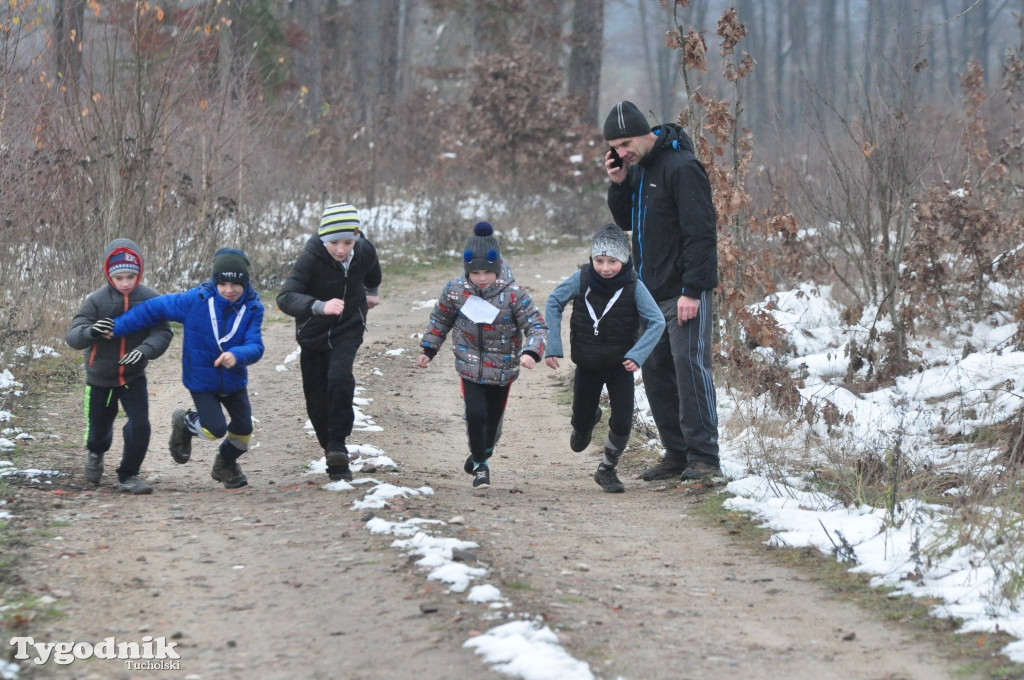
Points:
x=337 y=466
x=481 y=477
x=93 y=466
x=134 y=485
x=666 y=469
x=609 y=481
x=181 y=437
x=699 y=470
x=229 y=475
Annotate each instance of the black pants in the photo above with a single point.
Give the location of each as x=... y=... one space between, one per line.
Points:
x=329 y=387
x=680 y=388
x=485 y=407
x=586 y=394
x=101 y=407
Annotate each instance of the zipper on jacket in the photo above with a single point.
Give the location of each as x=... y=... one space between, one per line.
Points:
x=639 y=217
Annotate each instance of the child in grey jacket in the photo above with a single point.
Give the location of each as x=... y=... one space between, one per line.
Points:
x=115 y=370
x=489 y=315
x=609 y=307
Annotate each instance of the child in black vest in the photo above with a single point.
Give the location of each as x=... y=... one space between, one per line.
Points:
x=609 y=307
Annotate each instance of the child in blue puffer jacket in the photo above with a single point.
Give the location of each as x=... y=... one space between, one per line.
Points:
x=222 y=321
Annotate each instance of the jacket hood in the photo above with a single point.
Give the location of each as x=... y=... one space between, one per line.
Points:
x=123 y=245
x=674 y=136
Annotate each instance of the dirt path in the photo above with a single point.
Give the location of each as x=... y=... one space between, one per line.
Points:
x=282 y=579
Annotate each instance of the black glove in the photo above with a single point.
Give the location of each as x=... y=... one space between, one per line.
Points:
x=101 y=328
x=133 y=357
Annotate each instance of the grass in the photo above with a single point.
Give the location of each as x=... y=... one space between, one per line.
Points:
x=519 y=586
x=975 y=655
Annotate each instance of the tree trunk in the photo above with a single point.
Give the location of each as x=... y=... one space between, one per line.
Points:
x=308 y=57
x=389 y=47
x=68 y=29
x=584 y=73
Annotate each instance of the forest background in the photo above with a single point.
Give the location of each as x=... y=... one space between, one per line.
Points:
x=871 y=148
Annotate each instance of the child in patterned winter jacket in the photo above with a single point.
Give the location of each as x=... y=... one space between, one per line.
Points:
x=115 y=371
x=488 y=314
x=222 y=320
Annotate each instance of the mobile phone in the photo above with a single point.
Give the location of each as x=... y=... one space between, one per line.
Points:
x=616 y=161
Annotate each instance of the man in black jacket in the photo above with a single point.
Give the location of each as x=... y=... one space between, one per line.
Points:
x=661 y=192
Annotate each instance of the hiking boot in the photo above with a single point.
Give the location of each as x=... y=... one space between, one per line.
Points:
x=181 y=437
x=666 y=469
x=337 y=466
x=93 y=466
x=230 y=475
x=134 y=485
x=481 y=477
x=580 y=440
x=609 y=481
x=699 y=470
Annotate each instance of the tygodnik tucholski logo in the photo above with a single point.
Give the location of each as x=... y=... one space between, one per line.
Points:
x=151 y=654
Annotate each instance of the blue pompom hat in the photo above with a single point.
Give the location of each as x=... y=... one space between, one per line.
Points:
x=481 y=252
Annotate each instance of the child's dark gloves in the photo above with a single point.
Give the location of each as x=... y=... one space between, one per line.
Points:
x=133 y=357
x=101 y=328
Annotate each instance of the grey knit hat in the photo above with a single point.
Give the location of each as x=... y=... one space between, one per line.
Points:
x=610 y=241
x=625 y=120
x=481 y=253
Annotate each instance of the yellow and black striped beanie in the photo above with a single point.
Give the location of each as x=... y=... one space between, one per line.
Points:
x=339 y=221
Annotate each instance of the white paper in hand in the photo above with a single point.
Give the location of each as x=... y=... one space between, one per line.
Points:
x=479 y=310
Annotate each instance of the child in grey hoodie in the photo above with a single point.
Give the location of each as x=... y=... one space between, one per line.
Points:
x=115 y=370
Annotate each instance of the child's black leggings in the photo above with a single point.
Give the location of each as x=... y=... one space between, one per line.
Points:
x=101 y=407
x=586 y=394
x=485 y=406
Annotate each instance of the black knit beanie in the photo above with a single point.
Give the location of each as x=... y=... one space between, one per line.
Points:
x=230 y=265
x=625 y=120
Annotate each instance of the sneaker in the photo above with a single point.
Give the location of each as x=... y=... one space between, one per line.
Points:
x=134 y=485
x=481 y=477
x=181 y=437
x=337 y=466
x=666 y=469
x=699 y=470
x=469 y=464
x=580 y=440
x=609 y=481
x=93 y=466
x=229 y=475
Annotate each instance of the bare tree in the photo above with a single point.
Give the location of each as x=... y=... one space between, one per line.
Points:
x=69 y=32
x=309 y=56
x=389 y=48
x=585 y=43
